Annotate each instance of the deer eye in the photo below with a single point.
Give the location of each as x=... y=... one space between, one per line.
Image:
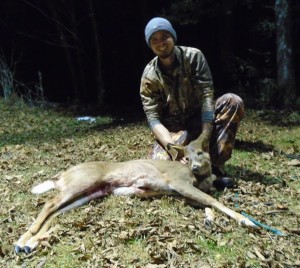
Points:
x=199 y=153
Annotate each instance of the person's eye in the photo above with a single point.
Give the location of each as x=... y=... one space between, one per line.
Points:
x=154 y=40
x=165 y=37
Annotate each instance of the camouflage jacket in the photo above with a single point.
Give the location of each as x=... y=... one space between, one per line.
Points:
x=171 y=98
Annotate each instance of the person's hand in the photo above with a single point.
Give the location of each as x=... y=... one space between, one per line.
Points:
x=204 y=138
x=176 y=152
x=203 y=141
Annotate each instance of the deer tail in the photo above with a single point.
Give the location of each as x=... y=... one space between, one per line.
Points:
x=43 y=187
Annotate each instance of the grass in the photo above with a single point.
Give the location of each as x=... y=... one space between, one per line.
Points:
x=128 y=232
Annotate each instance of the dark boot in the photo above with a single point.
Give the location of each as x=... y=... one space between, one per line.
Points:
x=222 y=180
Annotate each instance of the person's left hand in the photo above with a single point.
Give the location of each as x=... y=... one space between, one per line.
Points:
x=203 y=140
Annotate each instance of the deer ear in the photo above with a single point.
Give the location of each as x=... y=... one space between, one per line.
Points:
x=175 y=151
x=178 y=147
x=180 y=151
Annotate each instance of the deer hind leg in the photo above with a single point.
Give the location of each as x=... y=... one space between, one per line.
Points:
x=28 y=242
x=31 y=239
x=49 y=208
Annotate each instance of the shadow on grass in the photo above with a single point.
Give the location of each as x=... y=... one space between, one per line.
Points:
x=257 y=146
x=246 y=174
x=65 y=129
x=238 y=173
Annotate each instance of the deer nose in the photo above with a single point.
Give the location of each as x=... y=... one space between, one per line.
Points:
x=195 y=168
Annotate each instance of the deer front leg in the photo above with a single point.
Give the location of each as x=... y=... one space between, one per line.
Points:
x=189 y=191
x=209 y=217
x=242 y=220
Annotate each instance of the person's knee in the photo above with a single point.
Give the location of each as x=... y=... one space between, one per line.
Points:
x=233 y=98
x=236 y=103
x=230 y=103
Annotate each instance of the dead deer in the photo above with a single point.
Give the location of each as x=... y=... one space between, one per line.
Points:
x=143 y=178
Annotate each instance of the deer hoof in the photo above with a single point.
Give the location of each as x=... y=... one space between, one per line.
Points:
x=18 y=249
x=247 y=222
x=208 y=224
x=27 y=249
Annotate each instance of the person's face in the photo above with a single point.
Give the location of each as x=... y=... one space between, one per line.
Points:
x=162 y=44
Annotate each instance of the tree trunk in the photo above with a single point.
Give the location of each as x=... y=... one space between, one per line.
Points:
x=226 y=42
x=66 y=45
x=81 y=77
x=285 y=68
x=99 y=77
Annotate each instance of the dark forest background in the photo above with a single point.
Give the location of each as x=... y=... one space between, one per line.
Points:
x=93 y=52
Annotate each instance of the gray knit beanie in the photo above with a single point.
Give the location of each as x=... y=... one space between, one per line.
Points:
x=158 y=24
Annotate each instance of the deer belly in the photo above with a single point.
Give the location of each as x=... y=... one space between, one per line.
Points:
x=144 y=187
x=138 y=178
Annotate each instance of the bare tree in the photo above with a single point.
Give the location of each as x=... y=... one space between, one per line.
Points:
x=6 y=79
x=69 y=18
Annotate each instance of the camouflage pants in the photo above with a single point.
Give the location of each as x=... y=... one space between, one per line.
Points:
x=229 y=110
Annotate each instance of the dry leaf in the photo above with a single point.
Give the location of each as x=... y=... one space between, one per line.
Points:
x=294 y=162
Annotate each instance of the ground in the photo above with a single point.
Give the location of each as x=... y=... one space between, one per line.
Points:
x=36 y=143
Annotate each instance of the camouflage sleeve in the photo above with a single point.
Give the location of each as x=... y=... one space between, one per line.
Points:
x=151 y=101
x=203 y=84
